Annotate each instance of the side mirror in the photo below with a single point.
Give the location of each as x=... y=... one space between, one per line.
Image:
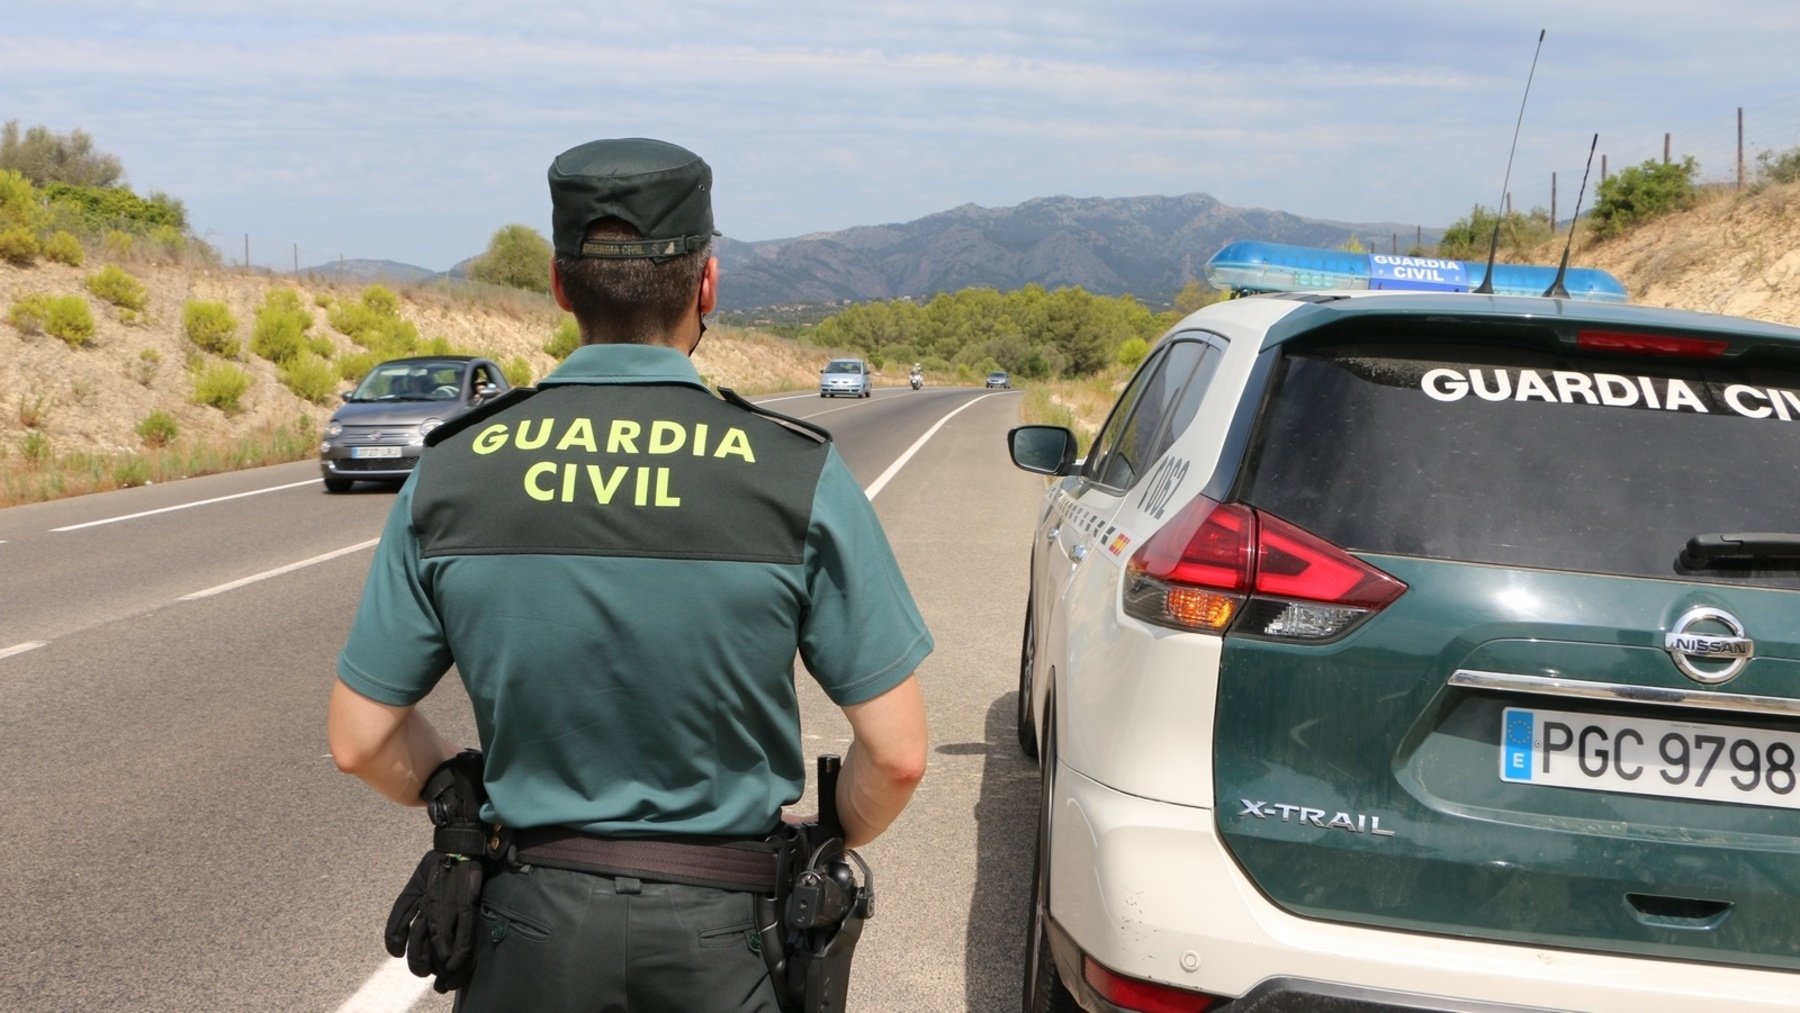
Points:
x=1042 y=450
x=345 y=394
x=485 y=391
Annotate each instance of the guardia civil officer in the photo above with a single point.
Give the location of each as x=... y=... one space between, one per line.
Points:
x=622 y=565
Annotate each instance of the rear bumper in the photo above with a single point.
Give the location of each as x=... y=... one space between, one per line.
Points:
x=1148 y=890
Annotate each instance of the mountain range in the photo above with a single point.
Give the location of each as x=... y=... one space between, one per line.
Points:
x=1149 y=247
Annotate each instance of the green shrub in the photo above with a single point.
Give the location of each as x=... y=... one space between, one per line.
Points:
x=117 y=286
x=210 y=326
x=566 y=339
x=321 y=345
x=64 y=248
x=130 y=472
x=117 y=245
x=19 y=207
x=382 y=300
x=356 y=365
x=29 y=312
x=279 y=334
x=18 y=246
x=1469 y=238
x=374 y=322
x=116 y=207
x=149 y=360
x=221 y=385
x=517 y=371
x=1779 y=167
x=167 y=243
x=518 y=256
x=35 y=448
x=310 y=377
x=1132 y=352
x=158 y=429
x=68 y=318
x=1641 y=192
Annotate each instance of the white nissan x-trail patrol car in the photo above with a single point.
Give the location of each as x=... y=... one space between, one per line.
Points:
x=1398 y=650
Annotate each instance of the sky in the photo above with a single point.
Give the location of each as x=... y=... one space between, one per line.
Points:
x=411 y=131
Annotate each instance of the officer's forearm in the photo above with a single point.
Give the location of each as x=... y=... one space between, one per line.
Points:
x=391 y=749
x=884 y=763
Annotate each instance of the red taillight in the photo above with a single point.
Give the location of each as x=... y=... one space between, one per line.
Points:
x=1142 y=996
x=1224 y=565
x=1651 y=344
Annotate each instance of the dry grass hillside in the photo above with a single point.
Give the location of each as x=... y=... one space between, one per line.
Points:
x=91 y=399
x=1731 y=253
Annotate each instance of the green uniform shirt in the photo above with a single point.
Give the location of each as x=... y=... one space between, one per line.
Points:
x=621 y=567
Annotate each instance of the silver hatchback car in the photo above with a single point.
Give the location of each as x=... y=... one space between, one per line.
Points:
x=845 y=376
x=379 y=432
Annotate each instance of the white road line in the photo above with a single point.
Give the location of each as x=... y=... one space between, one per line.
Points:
x=184 y=506
x=278 y=571
x=894 y=469
x=29 y=645
x=388 y=990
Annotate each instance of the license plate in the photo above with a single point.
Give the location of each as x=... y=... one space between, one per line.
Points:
x=361 y=452
x=1646 y=756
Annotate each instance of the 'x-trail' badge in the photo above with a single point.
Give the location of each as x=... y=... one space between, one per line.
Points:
x=1709 y=645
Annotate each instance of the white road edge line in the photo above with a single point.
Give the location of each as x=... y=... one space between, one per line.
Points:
x=29 y=645
x=389 y=989
x=184 y=506
x=278 y=571
x=900 y=462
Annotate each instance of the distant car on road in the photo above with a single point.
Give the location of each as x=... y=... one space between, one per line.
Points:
x=379 y=432
x=845 y=376
x=998 y=380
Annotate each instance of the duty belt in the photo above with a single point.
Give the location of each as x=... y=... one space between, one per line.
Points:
x=750 y=865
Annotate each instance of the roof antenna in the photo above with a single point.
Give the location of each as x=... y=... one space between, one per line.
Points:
x=1557 y=289
x=1487 y=280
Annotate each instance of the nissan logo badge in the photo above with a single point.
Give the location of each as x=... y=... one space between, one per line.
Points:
x=1709 y=645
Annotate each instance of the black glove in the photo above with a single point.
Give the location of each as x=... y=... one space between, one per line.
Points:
x=433 y=920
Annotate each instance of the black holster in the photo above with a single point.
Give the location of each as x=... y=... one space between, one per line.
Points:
x=810 y=928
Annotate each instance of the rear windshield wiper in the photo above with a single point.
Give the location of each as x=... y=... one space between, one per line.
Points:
x=1740 y=549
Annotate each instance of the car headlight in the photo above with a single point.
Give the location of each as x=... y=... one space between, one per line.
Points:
x=426 y=427
x=334 y=428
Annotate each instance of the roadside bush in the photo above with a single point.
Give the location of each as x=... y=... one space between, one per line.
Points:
x=117 y=245
x=279 y=334
x=210 y=326
x=117 y=286
x=322 y=346
x=221 y=385
x=1641 y=192
x=310 y=377
x=35 y=448
x=149 y=360
x=68 y=318
x=566 y=339
x=64 y=248
x=356 y=365
x=1779 y=167
x=158 y=429
x=1132 y=352
x=116 y=207
x=1469 y=238
x=130 y=472
x=374 y=322
x=19 y=207
x=34 y=411
x=518 y=256
x=18 y=246
x=29 y=312
x=517 y=371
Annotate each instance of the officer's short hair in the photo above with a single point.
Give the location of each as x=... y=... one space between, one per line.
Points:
x=629 y=299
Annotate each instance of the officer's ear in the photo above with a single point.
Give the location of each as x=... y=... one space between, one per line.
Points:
x=709 y=286
x=556 y=287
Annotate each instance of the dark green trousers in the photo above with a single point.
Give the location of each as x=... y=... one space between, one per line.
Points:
x=551 y=940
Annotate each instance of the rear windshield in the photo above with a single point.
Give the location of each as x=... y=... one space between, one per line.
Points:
x=1530 y=458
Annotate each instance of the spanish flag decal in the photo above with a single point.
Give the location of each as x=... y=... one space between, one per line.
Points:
x=1118 y=543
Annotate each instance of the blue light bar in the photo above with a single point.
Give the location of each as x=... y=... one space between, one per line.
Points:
x=1249 y=266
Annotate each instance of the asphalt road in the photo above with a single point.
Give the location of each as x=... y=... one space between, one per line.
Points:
x=181 y=840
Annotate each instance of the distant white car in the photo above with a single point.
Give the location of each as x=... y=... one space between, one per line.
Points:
x=998 y=380
x=845 y=377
